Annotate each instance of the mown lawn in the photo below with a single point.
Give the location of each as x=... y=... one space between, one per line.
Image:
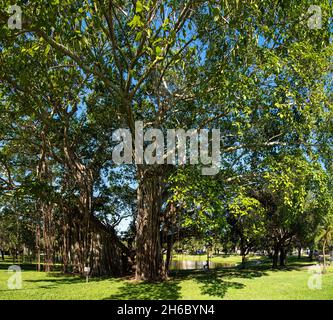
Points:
x=257 y=282
x=224 y=259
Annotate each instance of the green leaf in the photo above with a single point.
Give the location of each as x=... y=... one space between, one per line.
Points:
x=216 y=14
x=138 y=36
x=47 y=49
x=136 y=22
x=139 y=7
x=158 y=51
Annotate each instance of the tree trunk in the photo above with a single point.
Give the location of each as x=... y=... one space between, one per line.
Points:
x=3 y=255
x=48 y=236
x=168 y=254
x=38 y=247
x=299 y=249
x=282 y=257
x=149 y=264
x=45 y=176
x=243 y=261
x=65 y=247
x=276 y=256
x=208 y=259
x=107 y=255
x=324 y=257
x=243 y=252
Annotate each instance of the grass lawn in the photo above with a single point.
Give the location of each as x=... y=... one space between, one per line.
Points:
x=256 y=282
x=224 y=259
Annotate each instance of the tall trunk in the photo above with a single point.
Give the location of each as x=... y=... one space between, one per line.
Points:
x=38 y=247
x=65 y=247
x=83 y=177
x=149 y=264
x=207 y=262
x=46 y=208
x=243 y=261
x=78 y=242
x=168 y=254
x=243 y=252
x=299 y=249
x=282 y=257
x=324 y=257
x=276 y=256
x=3 y=255
x=169 y=220
x=86 y=211
x=48 y=236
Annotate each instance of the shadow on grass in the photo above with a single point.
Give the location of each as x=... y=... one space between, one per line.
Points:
x=215 y=282
x=235 y=272
x=293 y=264
x=26 y=266
x=60 y=278
x=168 y=290
x=55 y=282
x=212 y=285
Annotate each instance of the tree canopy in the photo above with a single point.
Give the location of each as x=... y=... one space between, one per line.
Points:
x=78 y=70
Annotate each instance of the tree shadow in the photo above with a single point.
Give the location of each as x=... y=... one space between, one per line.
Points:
x=60 y=278
x=24 y=266
x=57 y=281
x=243 y=273
x=216 y=282
x=168 y=290
x=234 y=272
x=212 y=285
x=80 y=278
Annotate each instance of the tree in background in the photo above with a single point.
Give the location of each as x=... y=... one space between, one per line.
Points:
x=247 y=220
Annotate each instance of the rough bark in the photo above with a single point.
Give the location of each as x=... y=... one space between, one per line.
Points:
x=48 y=237
x=168 y=254
x=149 y=264
x=38 y=247
x=65 y=245
x=106 y=254
x=46 y=207
x=89 y=243
x=169 y=221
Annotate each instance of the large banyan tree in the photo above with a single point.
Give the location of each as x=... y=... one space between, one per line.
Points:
x=77 y=70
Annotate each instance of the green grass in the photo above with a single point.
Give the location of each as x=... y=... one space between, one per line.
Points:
x=257 y=282
x=224 y=259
